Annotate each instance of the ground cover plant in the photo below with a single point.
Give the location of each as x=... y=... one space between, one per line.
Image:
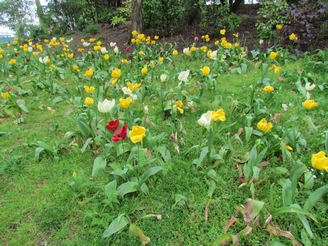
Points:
x=209 y=145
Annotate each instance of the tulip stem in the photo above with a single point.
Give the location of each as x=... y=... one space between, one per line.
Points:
x=210 y=142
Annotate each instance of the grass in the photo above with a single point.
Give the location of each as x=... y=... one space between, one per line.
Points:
x=190 y=200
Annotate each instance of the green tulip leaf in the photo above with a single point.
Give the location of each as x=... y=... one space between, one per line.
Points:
x=99 y=164
x=117 y=225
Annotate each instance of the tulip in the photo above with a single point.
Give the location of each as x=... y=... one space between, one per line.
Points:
x=106 y=106
x=273 y=55
x=88 y=101
x=125 y=103
x=137 y=134
x=205 y=119
x=218 y=115
x=309 y=104
x=268 y=88
x=183 y=76
x=320 y=161
x=265 y=126
x=120 y=134
x=112 y=125
x=89 y=89
x=205 y=70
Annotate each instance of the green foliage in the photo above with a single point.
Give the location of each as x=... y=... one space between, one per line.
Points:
x=272 y=13
x=308 y=21
x=165 y=17
x=215 y=17
x=91 y=29
x=118 y=20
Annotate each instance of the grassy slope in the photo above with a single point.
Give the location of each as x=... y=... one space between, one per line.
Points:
x=39 y=206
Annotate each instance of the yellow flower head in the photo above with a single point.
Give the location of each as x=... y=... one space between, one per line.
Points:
x=320 y=161
x=178 y=104
x=309 y=104
x=88 y=101
x=124 y=61
x=175 y=52
x=133 y=87
x=5 y=95
x=12 y=62
x=76 y=68
x=134 y=33
x=205 y=70
x=293 y=37
x=89 y=73
x=265 y=126
x=125 y=103
x=218 y=115
x=161 y=59
x=222 y=31
x=268 y=88
x=203 y=48
x=137 y=134
x=89 y=89
x=70 y=55
x=275 y=68
x=273 y=55
x=144 y=70
x=116 y=73
x=106 y=57
x=279 y=26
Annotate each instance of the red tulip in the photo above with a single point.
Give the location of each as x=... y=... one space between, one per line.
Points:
x=112 y=125
x=120 y=134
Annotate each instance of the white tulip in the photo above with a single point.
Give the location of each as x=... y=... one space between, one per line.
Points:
x=106 y=105
x=163 y=78
x=185 y=50
x=126 y=90
x=309 y=87
x=213 y=55
x=44 y=60
x=205 y=119
x=183 y=76
x=85 y=44
x=30 y=49
x=103 y=50
x=116 y=50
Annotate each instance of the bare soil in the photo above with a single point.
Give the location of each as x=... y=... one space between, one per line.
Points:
x=248 y=35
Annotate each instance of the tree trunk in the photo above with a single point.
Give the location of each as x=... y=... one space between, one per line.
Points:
x=40 y=14
x=137 y=15
x=234 y=6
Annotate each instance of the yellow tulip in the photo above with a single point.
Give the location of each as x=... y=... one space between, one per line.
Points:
x=293 y=37
x=137 y=134
x=320 y=161
x=133 y=87
x=265 y=126
x=89 y=89
x=125 y=103
x=205 y=70
x=88 y=101
x=106 y=57
x=5 y=95
x=116 y=73
x=279 y=26
x=222 y=31
x=144 y=70
x=12 y=62
x=309 y=104
x=273 y=55
x=268 y=88
x=175 y=52
x=218 y=115
x=89 y=73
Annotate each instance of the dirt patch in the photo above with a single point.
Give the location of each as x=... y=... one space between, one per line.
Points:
x=248 y=35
